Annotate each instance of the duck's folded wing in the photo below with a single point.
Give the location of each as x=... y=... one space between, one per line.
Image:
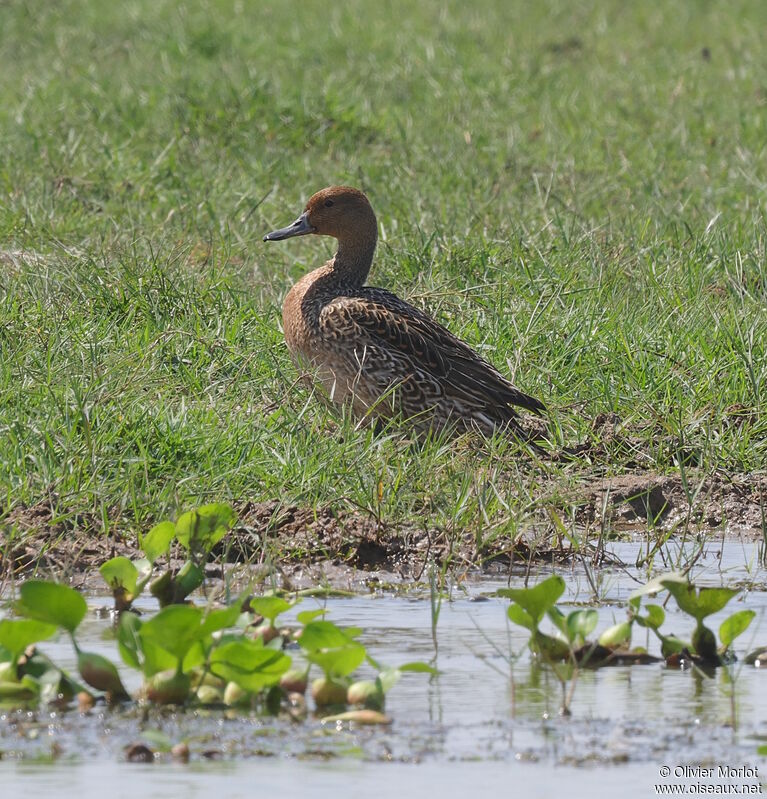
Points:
x=417 y=343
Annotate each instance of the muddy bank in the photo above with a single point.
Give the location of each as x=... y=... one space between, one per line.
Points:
x=332 y=543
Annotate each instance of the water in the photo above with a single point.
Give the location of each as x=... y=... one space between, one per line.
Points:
x=473 y=725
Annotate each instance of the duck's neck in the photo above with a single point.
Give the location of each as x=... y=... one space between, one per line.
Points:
x=353 y=259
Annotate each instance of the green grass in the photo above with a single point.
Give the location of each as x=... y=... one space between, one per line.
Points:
x=576 y=188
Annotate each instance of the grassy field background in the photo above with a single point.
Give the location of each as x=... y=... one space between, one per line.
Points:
x=579 y=189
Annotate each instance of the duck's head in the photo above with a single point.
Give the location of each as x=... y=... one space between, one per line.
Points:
x=338 y=211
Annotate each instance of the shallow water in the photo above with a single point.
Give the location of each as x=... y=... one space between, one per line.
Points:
x=472 y=724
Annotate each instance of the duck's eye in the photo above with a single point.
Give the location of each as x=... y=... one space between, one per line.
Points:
x=328 y=203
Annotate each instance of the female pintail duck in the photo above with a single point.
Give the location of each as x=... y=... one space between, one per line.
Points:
x=368 y=348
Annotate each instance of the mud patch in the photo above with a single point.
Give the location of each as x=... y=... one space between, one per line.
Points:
x=306 y=546
x=717 y=503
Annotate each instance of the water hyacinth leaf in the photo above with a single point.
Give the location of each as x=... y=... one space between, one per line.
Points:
x=201 y=529
x=559 y=620
x=418 y=666
x=269 y=606
x=735 y=625
x=305 y=616
x=51 y=602
x=120 y=573
x=156 y=542
x=699 y=603
x=220 y=619
x=616 y=635
x=656 y=584
x=17 y=634
x=538 y=599
x=23 y=690
x=549 y=648
x=323 y=635
x=334 y=650
x=520 y=616
x=340 y=661
x=174 y=628
x=249 y=664
x=580 y=623
x=155 y=659
x=654 y=618
x=128 y=641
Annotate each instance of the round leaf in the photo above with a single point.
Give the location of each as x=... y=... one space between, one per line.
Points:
x=538 y=599
x=157 y=541
x=16 y=635
x=51 y=602
x=734 y=625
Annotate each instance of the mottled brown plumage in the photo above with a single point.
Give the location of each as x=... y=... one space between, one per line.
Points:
x=370 y=349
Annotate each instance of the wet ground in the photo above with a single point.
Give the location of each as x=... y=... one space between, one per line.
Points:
x=471 y=725
x=339 y=544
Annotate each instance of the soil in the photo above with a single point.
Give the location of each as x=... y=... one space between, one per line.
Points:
x=310 y=546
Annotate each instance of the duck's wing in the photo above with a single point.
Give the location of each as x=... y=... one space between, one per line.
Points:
x=409 y=341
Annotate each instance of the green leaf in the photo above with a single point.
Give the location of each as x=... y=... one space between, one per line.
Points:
x=51 y=602
x=338 y=662
x=174 y=628
x=580 y=623
x=219 y=619
x=334 y=650
x=305 y=616
x=549 y=648
x=128 y=640
x=538 y=599
x=559 y=620
x=201 y=529
x=322 y=635
x=734 y=625
x=616 y=635
x=120 y=573
x=518 y=615
x=249 y=664
x=418 y=666
x=16 y=635
x=156 y=659
x=157 y=541
x=656 y=585
x=654 y=618
x=702 y=603
x=269 y=606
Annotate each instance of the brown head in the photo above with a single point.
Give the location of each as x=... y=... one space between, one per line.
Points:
x=338 y=211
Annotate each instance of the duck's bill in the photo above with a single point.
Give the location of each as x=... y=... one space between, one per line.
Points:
x=299 y=228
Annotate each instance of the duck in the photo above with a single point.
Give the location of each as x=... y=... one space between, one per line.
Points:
x=368 y=349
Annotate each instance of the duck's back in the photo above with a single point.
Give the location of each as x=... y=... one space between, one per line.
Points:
x=388 y=356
